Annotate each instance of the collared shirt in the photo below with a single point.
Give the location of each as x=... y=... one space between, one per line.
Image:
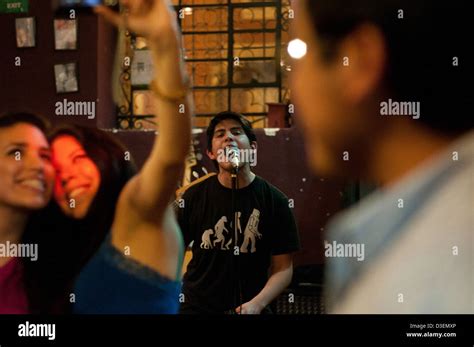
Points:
x=417 y=241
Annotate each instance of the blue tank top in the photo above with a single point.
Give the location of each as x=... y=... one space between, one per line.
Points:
x=112 y=283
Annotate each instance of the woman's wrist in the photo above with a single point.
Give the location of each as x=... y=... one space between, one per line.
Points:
x=175 y=95
x=169 y=71
x=165 y=44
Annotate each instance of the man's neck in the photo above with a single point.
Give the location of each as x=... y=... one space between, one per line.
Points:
x=244 y=177
x=12 y=225
x=402 y=151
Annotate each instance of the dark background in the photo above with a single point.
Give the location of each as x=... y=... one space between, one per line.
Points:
x=31 y=86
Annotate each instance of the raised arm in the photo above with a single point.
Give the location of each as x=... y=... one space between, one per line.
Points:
x=151 y=190
x=144 y=222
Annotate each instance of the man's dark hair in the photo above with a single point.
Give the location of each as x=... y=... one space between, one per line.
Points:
x=421 y=49
x=246 y=125
x=12 y=118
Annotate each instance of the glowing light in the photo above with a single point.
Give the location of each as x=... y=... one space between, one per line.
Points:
x=297 y=49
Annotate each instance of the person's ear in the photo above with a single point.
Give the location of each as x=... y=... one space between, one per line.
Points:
x=363 y=59
x=211 y=155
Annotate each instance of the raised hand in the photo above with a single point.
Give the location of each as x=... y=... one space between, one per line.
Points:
x=153 y=19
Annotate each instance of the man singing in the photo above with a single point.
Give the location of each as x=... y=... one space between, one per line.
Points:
x=241 y=251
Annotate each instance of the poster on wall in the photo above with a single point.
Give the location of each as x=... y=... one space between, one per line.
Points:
x=65 y=34
x=65 y=76
x=142 y=67
x=25 y=32
x=14 y=6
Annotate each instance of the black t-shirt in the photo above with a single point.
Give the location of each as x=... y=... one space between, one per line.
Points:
x=265 y=227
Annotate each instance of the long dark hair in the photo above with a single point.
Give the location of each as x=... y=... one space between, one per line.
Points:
x=12 y=118
x=66 y=244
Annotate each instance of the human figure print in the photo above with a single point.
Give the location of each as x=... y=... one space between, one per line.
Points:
x=219 y=229
x=206 y=239
x=251 y=233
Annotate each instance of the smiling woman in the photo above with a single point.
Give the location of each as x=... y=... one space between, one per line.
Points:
x=91 y=170
x=77 y=176
x=25 y=165
x=96 y=195
x=26 y=180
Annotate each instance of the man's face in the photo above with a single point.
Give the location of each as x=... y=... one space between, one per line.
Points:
x=330 y=121
x=229 y=134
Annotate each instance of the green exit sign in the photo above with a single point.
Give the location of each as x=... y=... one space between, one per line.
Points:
x=14 y=6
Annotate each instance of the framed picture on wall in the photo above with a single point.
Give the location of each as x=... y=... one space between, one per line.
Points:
x=66 y=79
x=25 y=32
x=65 y=34
x=142 y=68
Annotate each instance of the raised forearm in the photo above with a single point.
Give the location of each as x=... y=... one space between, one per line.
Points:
x=150 y=191
x=173 y=118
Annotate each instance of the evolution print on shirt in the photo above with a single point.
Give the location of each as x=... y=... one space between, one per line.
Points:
x=221 y=237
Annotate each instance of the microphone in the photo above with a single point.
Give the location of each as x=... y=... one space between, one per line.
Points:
x=233 y=155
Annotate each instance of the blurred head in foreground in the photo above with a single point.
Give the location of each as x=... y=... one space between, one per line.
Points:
x=379 y=78
x=380 y=93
